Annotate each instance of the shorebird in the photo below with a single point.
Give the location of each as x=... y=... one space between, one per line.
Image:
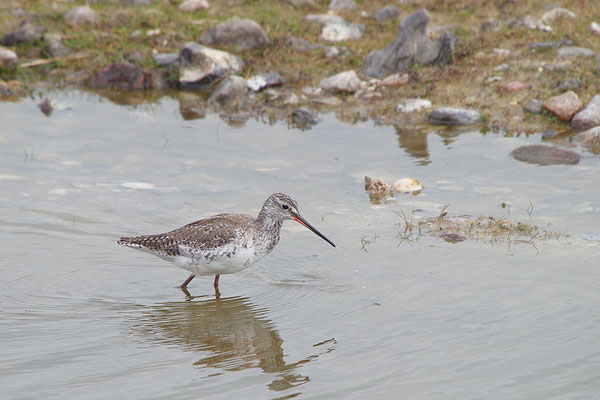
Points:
x=223 y=243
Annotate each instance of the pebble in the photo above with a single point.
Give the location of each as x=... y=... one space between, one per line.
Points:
x=325 y=18
x=589 y=116
x=569 y=84
x=342 y=5
x=331 y=52
x=199 y=63
x=408 y=185
x=545 y=155
x=493 y=79
x=166 y=59
x=8 y=58
x=328 y=101
x=412 y=105
x=311 y=91
x=260 y=82
x=595 y=28
x=82 y=15
x=193 y=5
x=453 y=116
x=386 y=13
x=244 y=34
x=395 y=80
x=557 y=14
x=515 y=86
x=46 y=107
x=54 y=46
x=574 y=52
x=549 y=134
x=346 y=81
x=501 y=68
x=564 y=106
x=338 y=32
x=534 y=106
x=490 y=25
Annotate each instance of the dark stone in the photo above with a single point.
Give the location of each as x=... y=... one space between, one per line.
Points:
x=386 y=13
x=411 y=46
x=299 y=44
x=244 y=34
x=26 y=34
x=550 y=134
x=534 y=106
x=453 y=237
x=54 y=47
x=303 y=117
x=545 y=155
x=231 y=92
x=119 y=75
x=569 y=84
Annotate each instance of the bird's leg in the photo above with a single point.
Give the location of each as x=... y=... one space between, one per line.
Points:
x=188 y=280
x=216 y=284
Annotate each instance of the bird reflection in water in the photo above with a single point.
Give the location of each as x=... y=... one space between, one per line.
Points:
x=235 y=332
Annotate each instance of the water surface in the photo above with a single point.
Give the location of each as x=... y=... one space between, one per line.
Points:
x=376 y=317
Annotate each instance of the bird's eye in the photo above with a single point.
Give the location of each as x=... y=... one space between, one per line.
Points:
x=285 y=206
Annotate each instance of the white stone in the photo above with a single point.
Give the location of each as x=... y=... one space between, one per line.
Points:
x=193 y=5
x=411 y=105
x=346 y=81
x=8 y=58
x=80 y=16
x=407 y=185
x=556 y=14
x=595 y=28
x=337 y=32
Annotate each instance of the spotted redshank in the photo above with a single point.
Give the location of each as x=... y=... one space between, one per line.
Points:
x=223 y=243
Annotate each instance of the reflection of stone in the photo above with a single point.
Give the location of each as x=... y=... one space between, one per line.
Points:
x=230 y=334
x=414 y=142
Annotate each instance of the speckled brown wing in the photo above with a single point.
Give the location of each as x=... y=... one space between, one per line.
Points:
x=203 y=235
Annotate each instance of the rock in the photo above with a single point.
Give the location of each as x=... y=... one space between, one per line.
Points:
x=325 y=19
x=303 y=3
x=545 y=155
x=46 y=107
x=563 y=106
x=408 y=185
x=8 y=59
x=515 y=86
x=589 y=116
x=54 y=47
x=550 y=134
x=549 y=45
x=346 y=81
x=501 y=68
x=82 y=15
x=411 y=46
x=453 y=116
x=329 y=101
x=260 y=82
x=299 y=44
x=244 y=34
x=119 y=75
x=569 y=84
x=378 y=188
x=303 y=117
x=200 y=66
x=166 y=59
x=453 y=237
x=534 y=106
x=340 y=31
x=231 y=92
x=342 y=5
x=557 y=14
x=493 y=79
x=528 y=22
x=490 y=25
x=589 y=138
x=574 y=52
x=311 y=91
x=26 y=34
x=331 y=52
x=395 y=80
x=193 y=5
x=595 y=28
x=412 y=105
x=386 y=13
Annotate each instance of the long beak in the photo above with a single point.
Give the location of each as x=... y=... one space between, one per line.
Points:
x=304 y=222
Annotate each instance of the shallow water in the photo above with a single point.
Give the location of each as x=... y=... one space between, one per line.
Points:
x=376 y=317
